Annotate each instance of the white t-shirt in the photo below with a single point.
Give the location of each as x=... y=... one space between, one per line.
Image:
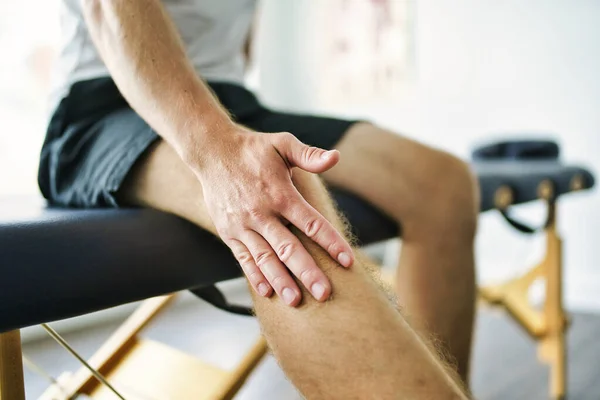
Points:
x=213 y=32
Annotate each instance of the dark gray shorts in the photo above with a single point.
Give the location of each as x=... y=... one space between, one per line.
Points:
x=94 y=139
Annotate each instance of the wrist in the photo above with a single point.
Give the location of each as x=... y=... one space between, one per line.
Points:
x=210 y=142
x=202 y=132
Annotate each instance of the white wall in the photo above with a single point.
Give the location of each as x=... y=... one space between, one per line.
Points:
x=482 y=67
x=27 y=43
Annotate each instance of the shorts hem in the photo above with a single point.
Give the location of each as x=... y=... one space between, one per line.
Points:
x=122 y=169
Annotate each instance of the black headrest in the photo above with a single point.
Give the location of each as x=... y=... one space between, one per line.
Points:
x=527 y=149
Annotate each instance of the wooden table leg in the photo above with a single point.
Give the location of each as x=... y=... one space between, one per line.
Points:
x=553 y=349
x=548 y=325
x=12 y=386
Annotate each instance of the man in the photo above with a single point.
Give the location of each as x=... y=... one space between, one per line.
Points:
x=140 y=119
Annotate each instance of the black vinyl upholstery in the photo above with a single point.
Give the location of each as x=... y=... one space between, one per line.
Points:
x=523 y=178
x=58 y=263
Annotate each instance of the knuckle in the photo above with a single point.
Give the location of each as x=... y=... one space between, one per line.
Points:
x=269 y=228
x=333 y=248
x=310 y=152
x=245 y=258
x=255 y=277
x=312 y=227
x=278 y=281
x=263 y=257
x=285 y=251
x=285 y=136
x=279 y=200
x=308 y=275
x=256 y=213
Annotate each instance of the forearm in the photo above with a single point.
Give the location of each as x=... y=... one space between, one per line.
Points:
x=144 y=54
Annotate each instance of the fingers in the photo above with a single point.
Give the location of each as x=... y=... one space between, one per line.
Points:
x=256 y=278
x=308 y=158
x=315 y=226
x=272 y=268
x=292 y=253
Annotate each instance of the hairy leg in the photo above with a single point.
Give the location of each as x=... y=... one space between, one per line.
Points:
x=354 y=346
x=435 y=199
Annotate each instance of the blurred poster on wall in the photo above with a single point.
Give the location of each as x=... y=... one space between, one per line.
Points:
x=366 y=50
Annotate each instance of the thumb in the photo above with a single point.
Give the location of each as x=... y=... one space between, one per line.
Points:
x=308 y=158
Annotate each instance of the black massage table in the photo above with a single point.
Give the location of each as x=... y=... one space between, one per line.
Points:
x=59 y=263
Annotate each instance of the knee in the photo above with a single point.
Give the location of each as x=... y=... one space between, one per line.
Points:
x=449 y=191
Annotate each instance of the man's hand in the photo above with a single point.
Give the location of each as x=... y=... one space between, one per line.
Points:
x=246 y=176
x=247 y=183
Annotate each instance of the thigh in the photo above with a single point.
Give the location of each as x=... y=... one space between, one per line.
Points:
x=161 y=180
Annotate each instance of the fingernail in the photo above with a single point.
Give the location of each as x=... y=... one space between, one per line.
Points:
x=263 y=289
x=344 y=259
x=325 y=155
x=288 y=295
x=318 y=290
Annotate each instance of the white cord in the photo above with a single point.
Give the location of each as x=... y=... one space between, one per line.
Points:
x=39 y=370
x=74 y=353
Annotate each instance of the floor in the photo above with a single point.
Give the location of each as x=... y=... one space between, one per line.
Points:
x=504 y=365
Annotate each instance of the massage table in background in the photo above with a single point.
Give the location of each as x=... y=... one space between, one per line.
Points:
x=60 y=263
